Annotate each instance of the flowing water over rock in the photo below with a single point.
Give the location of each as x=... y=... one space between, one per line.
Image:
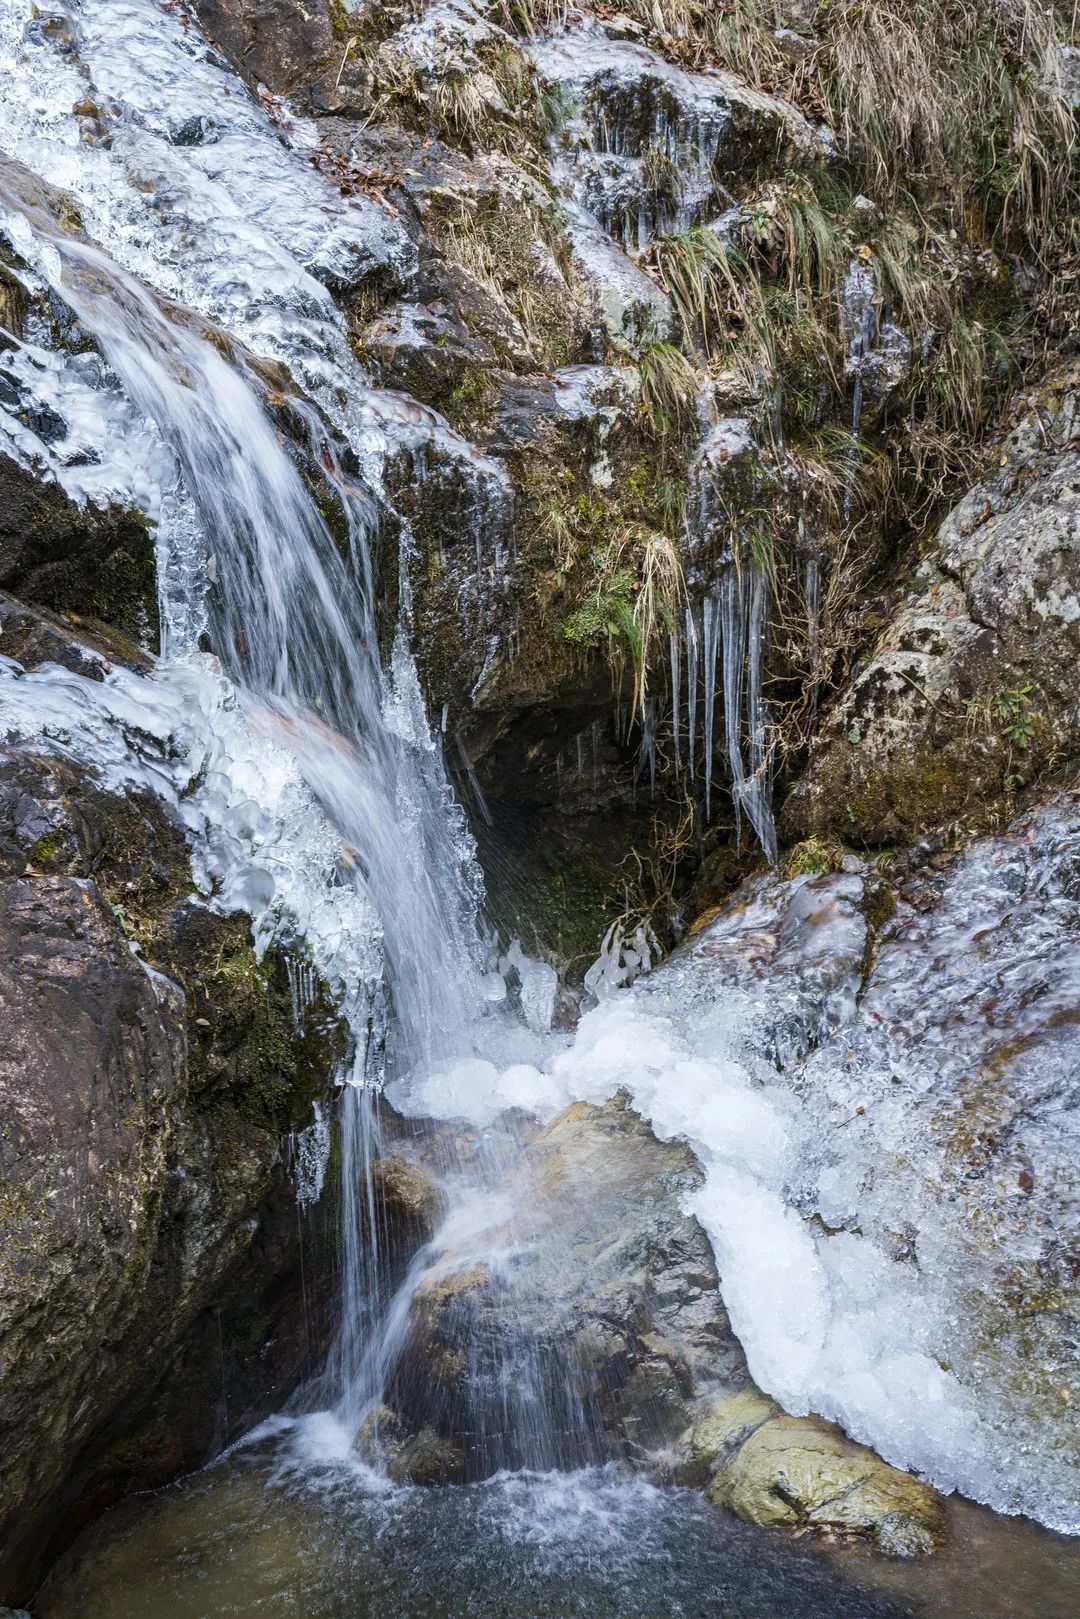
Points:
x=887 y=1127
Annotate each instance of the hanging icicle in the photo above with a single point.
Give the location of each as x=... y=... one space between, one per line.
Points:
x=709 y=629
x=676 y=696
x=691 y=685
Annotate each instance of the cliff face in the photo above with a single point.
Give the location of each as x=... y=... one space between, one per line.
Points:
x=154 y=1299
x=706 y=287
x=968 y=699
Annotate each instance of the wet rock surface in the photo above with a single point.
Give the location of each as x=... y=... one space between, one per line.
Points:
x=154 y=1300
x=587 y=1323
x=591 y=1295
x=99 y=564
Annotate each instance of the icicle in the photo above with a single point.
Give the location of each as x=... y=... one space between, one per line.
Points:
x=691 y=686
x=756 y=793
x=734 y=655
x=813 y=609
x=676 y=672
x=860 y=315
x=648 y=740
x=709 y=627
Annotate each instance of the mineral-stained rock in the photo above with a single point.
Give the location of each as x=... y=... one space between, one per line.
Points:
x=804 y=1474
x=799 y=1473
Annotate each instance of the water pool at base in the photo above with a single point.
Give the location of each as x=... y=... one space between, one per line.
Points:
x=280 y=1527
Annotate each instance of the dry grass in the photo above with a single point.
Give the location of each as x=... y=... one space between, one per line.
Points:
x=669 y=385
x=945 y=97
x=661 y=594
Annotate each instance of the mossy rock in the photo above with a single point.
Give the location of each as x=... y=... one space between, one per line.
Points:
x=803 y=1474
x=726 y=1425
x=77 y=559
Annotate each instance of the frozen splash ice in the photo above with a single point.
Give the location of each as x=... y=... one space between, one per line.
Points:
x=887 y=1157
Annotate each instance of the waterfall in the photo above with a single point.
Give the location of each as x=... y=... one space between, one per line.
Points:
x=240 y=227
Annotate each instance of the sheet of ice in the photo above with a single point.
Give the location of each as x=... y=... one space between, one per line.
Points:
x=211 y=198
x=865 y=1260
x=261 y=842
x=638 y=135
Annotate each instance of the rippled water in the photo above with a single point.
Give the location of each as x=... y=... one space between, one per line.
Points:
x=270 y=1531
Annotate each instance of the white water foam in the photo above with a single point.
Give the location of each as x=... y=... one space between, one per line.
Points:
x=850 y=1267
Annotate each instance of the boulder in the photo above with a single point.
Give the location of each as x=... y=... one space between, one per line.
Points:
x=590 y=1297
x=409 y=1206
x=801 y=1474
x=971 y=691
x=570 y=1311
x=286 y=46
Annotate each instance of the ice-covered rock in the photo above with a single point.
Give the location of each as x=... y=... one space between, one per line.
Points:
x=886 y=1115
x=645 y=146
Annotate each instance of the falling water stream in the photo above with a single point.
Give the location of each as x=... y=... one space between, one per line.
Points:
x=301 y=761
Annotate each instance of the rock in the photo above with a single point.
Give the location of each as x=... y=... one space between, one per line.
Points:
x=586 y=1323
x=794 y=47
x=972 y=685
x=594 y=1299
x=624 y=303
x=286 y=45
x=410 y=1206
x=96 y=562
x=626 y=115
x=420 y=1458
x=802 y=1474
x=424 y=351
x=153 y=1297
x=721 y=1431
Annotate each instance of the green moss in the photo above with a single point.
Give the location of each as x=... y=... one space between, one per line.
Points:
x=473 y=400
x=48 y=849
x=244 y=1050
x=812 y=858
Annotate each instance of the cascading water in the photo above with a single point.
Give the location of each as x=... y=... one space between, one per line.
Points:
x=245 y=558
